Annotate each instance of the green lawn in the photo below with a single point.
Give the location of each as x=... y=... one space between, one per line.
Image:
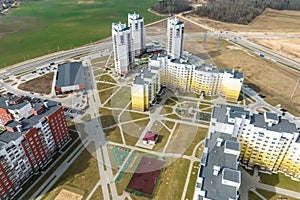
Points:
x=106 y=94
x=98 y=195
x=272 y=195
x=170 y=102
x=107 y=78
x=102 y=86
x=41 y=27
x=166 y=110
x=183 y=137
x=113 y=135
x=253 y=196
x=129 y=115
x=80 y=177
x=169 y=124
x=163 y=135
x=132 y=131
x=201 y=134
x=191 y=187
x=107 y=117
x=280 y=180
x=172 y=180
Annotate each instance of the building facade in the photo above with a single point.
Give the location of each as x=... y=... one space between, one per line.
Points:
x=136 y=22
x=175 y=34
x=28 y=143
x=188 y=74
x=144 y=88
x=123 y=48
x=268 y=141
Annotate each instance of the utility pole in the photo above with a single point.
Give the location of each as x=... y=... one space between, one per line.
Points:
x=218 y=42
x=204 y=40
x=295 y=88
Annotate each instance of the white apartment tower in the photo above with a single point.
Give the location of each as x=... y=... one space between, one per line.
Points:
x=175 y=37
x=136 y=22
x=123 y=48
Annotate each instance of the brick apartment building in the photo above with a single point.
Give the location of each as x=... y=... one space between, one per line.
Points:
x=33 y=132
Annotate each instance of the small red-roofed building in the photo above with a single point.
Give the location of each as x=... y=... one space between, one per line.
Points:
x=150 y=138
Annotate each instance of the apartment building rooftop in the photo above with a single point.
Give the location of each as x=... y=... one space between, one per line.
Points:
x=134 y=16
x=10 y=102
x=258 y=120
x=175 y=21
x=26 y=124
x=207 y=68
x=236 y=74
x=218 y=172
x=268 y=121
x=119 y=27
x=143 y=77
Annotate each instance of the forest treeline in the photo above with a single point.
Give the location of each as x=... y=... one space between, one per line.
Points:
x=171 y=7
x=242 y=11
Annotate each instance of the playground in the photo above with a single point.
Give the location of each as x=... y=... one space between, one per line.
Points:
x=145 y=177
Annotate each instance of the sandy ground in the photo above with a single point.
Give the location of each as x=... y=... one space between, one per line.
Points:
x=67 y=195
x=270 y=21
x=288 y=47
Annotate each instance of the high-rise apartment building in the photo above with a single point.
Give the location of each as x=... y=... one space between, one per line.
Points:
x=175 y=34
x=268 y=141
x=136 y=22
x=144 y=88
x=35 y=131
x=123 y=48
x=189 y=74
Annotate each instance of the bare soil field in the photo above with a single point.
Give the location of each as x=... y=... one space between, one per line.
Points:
x=42 y=84
x=288 y=47
x=270 y=21
x=271 y=79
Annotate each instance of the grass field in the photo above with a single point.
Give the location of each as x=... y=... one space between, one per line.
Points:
x=253 y=196
x=280 y=180
x=172 y=180
x=191 y=187
x=183 y=138
x=40 y=27
x=98 y=195
x=272 y=195
x=80 y=177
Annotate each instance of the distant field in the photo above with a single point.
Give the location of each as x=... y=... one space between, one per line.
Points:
x=271 y=79
x=40 y=27
x=270 y=21
x=288 y=47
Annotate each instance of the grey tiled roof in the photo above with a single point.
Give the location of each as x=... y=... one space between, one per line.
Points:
x=232 y=175
x=216 y=156
x=232 y=145
x=257 y=120
x=70 y=74
x=273 y=116
x=29 y=122
x=19 y=105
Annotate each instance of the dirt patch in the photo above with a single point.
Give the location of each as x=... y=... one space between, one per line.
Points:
x=42 y=84
x=288 y=47
x=67 y=195
x=270 y=21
